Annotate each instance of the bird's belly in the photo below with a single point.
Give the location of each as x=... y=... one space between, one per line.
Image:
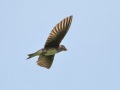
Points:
x=51 y=52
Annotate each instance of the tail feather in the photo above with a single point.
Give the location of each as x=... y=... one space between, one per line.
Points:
x=31 y=55
x=38 y=53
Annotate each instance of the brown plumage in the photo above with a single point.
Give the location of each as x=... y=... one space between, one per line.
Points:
x=58 y=33
x=45 y=61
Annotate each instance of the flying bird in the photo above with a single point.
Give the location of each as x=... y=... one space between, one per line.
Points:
x=52 y=45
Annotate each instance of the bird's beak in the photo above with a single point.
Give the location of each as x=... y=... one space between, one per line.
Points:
x=65 y=49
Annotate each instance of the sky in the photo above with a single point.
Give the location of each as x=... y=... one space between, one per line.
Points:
x=92 y=61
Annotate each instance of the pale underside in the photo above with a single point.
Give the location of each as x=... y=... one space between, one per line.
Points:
x=50 y=52
x=47 y=52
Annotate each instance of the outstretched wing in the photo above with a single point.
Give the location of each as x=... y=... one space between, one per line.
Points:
x=58 y=33
x=45 y=61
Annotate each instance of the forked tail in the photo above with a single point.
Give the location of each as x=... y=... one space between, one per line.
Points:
x=38 y=53
x=31 y=55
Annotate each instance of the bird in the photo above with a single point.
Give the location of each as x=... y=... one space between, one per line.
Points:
x=52 y=45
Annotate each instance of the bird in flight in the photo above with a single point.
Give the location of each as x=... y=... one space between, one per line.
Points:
x=52 y=45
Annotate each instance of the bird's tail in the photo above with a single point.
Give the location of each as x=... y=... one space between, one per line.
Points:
x=38 y=53
x=31 y=55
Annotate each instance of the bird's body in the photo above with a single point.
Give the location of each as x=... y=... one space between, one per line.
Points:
x=51 y=47
x=47 y=51
x=51 y=51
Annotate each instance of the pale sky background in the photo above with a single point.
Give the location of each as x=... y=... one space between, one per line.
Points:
x=92 y=61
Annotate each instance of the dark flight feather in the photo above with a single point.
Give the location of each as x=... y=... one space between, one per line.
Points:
x=45 y=61
x=58 y=33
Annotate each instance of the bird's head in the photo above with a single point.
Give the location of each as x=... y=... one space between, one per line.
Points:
x=62 y=48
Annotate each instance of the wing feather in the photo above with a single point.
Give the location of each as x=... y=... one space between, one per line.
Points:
x=58 y=33
x=45 y=61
